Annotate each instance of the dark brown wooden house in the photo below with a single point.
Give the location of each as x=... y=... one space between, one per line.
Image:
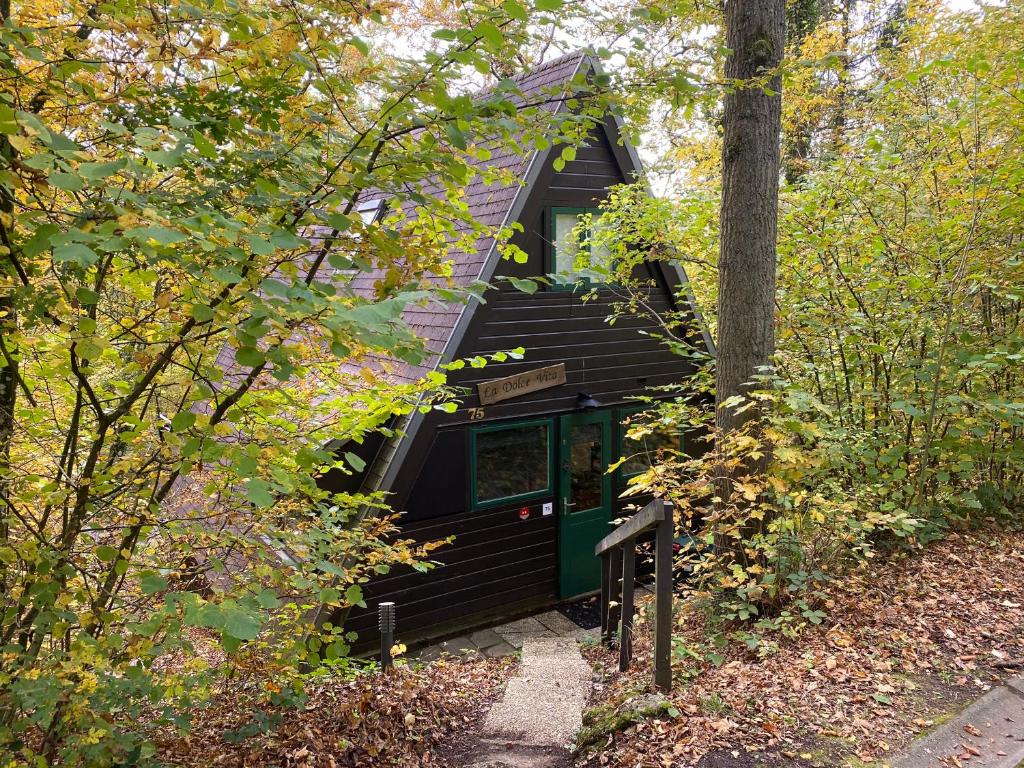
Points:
x=518 y=473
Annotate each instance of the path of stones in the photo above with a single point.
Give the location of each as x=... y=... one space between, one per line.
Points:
x=533 y=723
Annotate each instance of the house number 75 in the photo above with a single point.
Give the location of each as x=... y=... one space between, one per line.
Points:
x=475 y=414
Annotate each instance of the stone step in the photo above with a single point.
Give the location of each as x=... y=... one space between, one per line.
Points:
x=989 y=733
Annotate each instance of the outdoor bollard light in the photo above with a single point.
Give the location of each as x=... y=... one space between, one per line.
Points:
x=386 y=622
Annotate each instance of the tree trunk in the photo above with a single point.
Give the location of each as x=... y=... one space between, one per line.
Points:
x=755 y=34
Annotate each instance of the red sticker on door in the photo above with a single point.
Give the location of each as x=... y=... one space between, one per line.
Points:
x=524 y=513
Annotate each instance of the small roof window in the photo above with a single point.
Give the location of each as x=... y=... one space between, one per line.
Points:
x=370 y=210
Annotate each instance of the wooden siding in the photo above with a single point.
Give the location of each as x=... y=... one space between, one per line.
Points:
x=496 y=559
x=609 y=362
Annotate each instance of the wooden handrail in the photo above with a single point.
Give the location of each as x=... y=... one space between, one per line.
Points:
x=644 y=520
x=617 y=551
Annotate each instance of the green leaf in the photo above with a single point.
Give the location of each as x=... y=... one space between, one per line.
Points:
x=250 y=357
x=260 y=246
x=40 y=240
x=267 y=599
x=76 y=253
x=226 y=275
x=183 y=420
x=96 y=171
x=8 y=121
x=489 y=32
x=229 y=644
x=238 y=623
x=455 y=135
x=275 y=287
x=355 y=462
x=258 y=492
x=60 y=143
x=66 y=181
x=151 y=583
x=106 y=554
x=89 y=348
x=204 y=146
x=167 y=157
x=201 y=313
x=354 y=595
x=548 y=5
x=524 y=285
x=515 y=10
x=87 y=297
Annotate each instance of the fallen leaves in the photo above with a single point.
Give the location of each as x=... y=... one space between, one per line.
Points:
x=403 y=719
x=905 y=641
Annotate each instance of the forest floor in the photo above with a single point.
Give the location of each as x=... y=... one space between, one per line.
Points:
x=906 y=644
x=416 y=715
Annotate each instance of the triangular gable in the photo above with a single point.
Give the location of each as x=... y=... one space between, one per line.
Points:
x=562 y=70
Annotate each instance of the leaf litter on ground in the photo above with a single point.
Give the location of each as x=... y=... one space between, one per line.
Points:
x=906 y=640
x=405 y=718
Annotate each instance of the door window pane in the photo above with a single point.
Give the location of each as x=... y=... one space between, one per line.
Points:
x=512 y=462
x=586 y=467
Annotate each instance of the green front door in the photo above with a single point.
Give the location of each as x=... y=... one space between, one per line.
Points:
x=585 y=493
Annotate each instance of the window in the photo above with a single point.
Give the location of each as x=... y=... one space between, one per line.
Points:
x=571 y=258
x=370 y=210
x=510 y=462
x=641 y=452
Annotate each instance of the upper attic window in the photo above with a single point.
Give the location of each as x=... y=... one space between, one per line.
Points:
x=370 y=210
x=575 y=256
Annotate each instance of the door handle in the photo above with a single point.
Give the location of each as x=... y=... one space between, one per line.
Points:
x=567 y=505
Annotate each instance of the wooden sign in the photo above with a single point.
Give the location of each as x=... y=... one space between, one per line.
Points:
x=521 y=384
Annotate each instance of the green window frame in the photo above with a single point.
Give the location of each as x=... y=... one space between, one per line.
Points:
x=553 y=213
x=620 y=440
x=548 y=490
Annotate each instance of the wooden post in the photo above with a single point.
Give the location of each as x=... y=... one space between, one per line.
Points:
x=614 y=592
x=605 y=592
x=663 y=602
x=626 y=624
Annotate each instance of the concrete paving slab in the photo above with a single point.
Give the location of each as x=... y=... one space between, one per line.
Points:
x=457 y=646
x=515 y=639
x=504 y=754
x=557 y=623
x=529 y=625
x=428 y=654
x=1017 y=683
x=499 y=650
x=485 y=638
x=989 y=733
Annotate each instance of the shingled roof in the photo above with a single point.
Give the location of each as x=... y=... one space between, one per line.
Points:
x=490 y=204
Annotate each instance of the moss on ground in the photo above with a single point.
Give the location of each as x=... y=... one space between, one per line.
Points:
x=599 y=722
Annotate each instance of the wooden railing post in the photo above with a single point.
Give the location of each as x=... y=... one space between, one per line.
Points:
x=618 y=560
x=606 y=586
x=626 y=625
x=663 y=601
x=614 y=591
